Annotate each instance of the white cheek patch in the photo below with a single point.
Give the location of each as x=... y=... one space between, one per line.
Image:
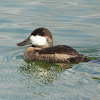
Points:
x=38 y=40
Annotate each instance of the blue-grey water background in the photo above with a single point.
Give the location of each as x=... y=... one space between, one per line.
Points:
x=72 y=22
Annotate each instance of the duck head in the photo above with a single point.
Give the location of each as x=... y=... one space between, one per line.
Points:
x=40 y=37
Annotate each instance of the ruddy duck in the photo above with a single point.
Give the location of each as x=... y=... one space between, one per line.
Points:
x=42 y=49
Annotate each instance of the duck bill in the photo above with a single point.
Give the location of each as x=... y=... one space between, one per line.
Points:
x=25 y=42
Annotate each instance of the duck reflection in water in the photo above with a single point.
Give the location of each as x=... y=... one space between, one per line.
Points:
x=41 y=72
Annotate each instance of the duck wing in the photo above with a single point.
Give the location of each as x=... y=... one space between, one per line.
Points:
x=59 y=49
x=61 y=53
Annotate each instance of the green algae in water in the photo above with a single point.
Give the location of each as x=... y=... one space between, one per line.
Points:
x=93 y=58
x=96 y=78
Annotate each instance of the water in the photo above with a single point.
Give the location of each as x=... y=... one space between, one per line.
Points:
x=75 y=23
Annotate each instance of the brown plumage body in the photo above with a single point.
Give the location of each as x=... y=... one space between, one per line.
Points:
x=60 y=53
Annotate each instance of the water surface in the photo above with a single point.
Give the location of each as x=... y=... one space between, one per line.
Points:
x=75 y=23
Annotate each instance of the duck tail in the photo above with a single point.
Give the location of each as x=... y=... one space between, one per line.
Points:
x=84 y=58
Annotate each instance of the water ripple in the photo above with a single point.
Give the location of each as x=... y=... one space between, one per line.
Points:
x=11 y=56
